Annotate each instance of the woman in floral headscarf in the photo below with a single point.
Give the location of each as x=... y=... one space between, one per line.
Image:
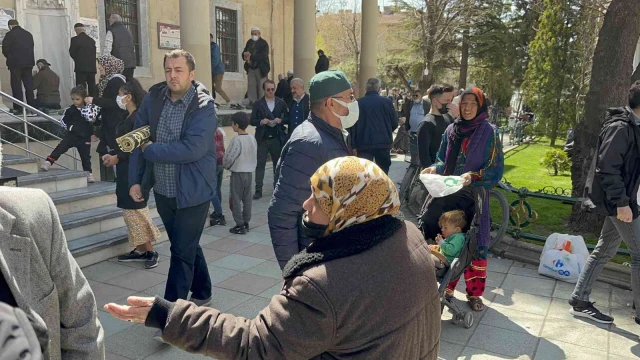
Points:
x=111 y=79
x=364 y=289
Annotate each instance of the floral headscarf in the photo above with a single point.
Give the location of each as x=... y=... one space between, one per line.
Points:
x=353 y=191
x=112 y=66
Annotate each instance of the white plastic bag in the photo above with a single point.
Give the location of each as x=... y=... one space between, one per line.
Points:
x=441 y=186
x=563 y=257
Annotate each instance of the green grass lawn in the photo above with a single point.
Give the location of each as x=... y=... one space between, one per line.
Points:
x=523 y=169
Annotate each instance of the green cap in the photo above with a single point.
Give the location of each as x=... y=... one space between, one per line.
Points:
x=328 y=83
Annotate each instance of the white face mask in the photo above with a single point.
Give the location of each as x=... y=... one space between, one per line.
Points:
x=354 y=112
x=121 y=105
x=255 y=37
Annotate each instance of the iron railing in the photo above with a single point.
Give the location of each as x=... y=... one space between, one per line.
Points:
x=227 y=37
x=128 y=10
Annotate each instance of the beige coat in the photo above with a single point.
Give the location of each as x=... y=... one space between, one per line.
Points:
x=381 y=303
x=44 y=278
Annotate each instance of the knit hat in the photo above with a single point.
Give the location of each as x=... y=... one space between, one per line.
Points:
x=328 y=83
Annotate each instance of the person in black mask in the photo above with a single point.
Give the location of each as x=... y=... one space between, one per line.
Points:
x=430 y=131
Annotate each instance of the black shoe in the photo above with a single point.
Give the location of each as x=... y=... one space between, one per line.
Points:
x=238 y=230
x=637 y=320
x=152 y=260
x=257 y=195
x=133 y=256
x=217 y=219
x=246 y=227
x=586 y=309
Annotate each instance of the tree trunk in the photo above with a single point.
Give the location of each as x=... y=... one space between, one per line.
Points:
x=402 y=76
x=464 y=60
x=636 y=74
x=610 y=72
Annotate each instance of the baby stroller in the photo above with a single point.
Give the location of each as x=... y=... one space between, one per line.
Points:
x=469 y=251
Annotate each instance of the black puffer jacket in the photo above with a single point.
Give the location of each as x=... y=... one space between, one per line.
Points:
x=615 y=170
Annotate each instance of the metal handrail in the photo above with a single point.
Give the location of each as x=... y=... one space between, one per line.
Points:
x=27 y=107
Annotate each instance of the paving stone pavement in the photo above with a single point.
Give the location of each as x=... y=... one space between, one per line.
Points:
x=526 y=315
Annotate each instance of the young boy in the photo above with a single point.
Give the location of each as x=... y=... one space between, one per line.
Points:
x=451 y=240
x=241 y=159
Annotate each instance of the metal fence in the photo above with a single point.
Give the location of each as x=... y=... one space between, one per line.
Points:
x=128 y=9
x=227 y=37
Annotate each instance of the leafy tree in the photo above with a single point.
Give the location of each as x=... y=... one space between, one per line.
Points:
x=556 y=162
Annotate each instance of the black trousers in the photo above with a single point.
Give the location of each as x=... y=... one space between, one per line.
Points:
x=382 y=157
x=89 y=81
x=128 y=73
x=19 y=77
x=188 y=267
x=267 y=146
x=73 y=141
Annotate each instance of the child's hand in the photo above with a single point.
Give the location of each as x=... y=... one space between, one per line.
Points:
x=434 y=248
x=88 y=100
x=439 y=238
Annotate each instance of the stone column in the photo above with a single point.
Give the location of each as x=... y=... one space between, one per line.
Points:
x=304 y=39
x=369 y=48
x=194 y=36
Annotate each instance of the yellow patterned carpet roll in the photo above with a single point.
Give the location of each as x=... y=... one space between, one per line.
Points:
x=131 y=141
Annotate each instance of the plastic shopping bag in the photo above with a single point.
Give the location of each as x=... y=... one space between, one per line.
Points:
x=441 y=186
x=563 y=257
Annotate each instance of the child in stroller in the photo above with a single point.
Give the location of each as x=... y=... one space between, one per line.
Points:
x=451 y=240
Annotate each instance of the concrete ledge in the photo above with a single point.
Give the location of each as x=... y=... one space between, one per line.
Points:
x=614 y=274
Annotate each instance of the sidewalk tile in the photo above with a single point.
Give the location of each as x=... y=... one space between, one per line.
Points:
x=624 y=316
x=237 y=262
x=272 y=291
x=521 y=301
x=163 y=266
x=259 y=251
x=105 y=270
x=559 y=311
x=105 y=293
x=254 y=237
x=268 y=268
x=248 y=283
x=456 y=334
x=173 y=353
x=112 y=356
x=503 y=342
x=220 y=231
x=212 y=255
x=224 y=299
x=541 y=287
x=163 y=249
x=208 y=239
x=110 y=324
x=513 y=320
x=157 y=290
x=219 y=274
x=499 y=265
x=621 y=298
x=495 y=279
x=135 y=342
x=138 y=280
x=581 y=334
x=599 y=294
x=521 y=269
x=228 y=245
x=553 y=349
x=449 y=350
x=625 y=344
x=264 y=229
x=250 y=308
x=470 y=353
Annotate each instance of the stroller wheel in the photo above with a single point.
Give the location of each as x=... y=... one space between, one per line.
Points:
x=468 y=320
x=457 y=319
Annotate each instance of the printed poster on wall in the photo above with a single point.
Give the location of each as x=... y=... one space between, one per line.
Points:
x=168 y=36
x=5 y=16
x=92 y=29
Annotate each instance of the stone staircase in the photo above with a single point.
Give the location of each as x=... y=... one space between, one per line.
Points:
x=93 y=225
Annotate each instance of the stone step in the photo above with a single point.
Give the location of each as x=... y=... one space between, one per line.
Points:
x=21 y=163
x=98 y=194
x=99 y=247
x=55 y=180
x=97 y=220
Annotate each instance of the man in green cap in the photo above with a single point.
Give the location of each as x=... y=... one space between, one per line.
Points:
x=317 y=140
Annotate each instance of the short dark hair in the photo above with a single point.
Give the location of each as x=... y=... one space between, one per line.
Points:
x=321 y=52
x=439 y=89
x=268 y=81
x=634 y=95
x=178 y=53
x=241 y=119
x=79 y=90
x=315 y=105
x=133 y=88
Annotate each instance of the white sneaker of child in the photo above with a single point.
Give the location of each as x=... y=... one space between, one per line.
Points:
x=45 y=165
x=90 y=178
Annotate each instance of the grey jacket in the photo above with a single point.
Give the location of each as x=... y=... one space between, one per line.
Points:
x=44 y=278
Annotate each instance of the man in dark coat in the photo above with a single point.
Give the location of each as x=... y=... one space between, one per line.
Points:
x=323 y=62
x=256 y=64
x=430 y=131
x=47 y=85
x=269 y=115
x=83 y=53
x=17 y=47
x=316 y=141
x=119 y=43
x=283 y=91
x=372 y=135
x=299 y=107
x=611 y=189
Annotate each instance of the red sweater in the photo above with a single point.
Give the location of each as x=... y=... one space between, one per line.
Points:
x=219 y=139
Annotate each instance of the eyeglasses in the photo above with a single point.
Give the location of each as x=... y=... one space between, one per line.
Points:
x=416 y=96
x=270 y=89
x=351 y=97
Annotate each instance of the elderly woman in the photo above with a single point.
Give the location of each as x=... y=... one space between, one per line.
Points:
x=470 y=148
x=364 y=289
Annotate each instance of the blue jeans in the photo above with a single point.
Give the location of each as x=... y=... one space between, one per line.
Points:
x=188 y=268
x=217 y=196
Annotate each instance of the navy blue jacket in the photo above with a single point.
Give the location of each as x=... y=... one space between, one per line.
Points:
x=312 y=144
x=376 y=123
x=261 y=111
x=194 y=155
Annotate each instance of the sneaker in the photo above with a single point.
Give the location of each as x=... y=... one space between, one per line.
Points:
x=90 y=178
x=134 y=255
x=158 y=337
x=238 y=229
x=151 y=259
x=246 y=227
x=45 y=165
x=236 y=106
x=217 y=219
x=257 y=195
x=586 y=309
x=199 y=302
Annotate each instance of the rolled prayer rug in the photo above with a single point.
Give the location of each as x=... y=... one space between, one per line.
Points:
x=131 y=141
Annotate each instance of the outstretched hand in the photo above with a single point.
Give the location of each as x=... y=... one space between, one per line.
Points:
x=137 y=310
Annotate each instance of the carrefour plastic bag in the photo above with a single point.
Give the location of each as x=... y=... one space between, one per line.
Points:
x=441 y=186
x=563 y=257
